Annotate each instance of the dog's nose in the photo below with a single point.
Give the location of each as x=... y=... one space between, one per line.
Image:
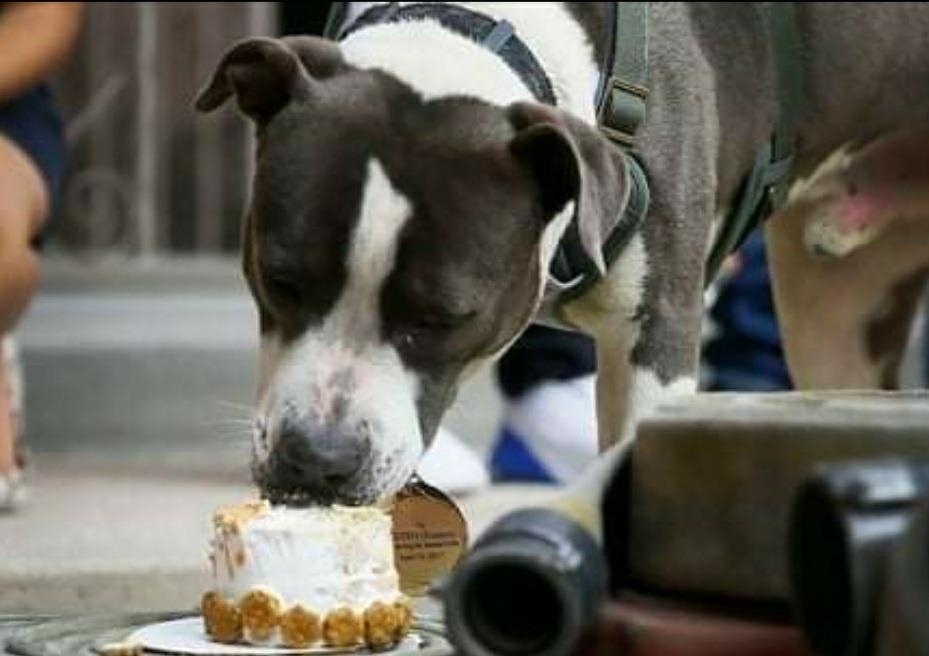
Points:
x=312 y=457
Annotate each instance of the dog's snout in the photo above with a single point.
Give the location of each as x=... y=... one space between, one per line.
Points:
x=312 y=457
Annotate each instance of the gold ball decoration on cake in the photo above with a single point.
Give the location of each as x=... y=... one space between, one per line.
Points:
x=404 y=618
x=261 y=613
x=300 y=627
x=222 y=619
x=381 y=624
x=343 y=628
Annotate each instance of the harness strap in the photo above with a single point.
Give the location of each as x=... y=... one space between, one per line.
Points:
x=497 y=36
x=765 y=188
x=335 y=19
x=788 y=55
x=621 y=109
x=571 y=272
x=622 y=105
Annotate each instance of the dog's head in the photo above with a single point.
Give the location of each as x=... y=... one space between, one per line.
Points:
x=392 y=243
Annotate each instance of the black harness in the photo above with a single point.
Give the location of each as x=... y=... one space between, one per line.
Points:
x=497 y=36
x=621 y=110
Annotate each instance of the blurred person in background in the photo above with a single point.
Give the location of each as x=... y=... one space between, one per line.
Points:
x=35 y=38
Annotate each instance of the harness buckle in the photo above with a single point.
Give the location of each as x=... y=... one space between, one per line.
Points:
x=622 y=110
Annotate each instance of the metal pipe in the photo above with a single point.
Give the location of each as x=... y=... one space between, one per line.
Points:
x=534 y=583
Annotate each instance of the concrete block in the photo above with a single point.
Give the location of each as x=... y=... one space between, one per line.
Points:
x=713 y=478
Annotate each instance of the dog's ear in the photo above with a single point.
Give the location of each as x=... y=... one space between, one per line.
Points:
x=321 y=57
x=265 y=74
x=572 y=163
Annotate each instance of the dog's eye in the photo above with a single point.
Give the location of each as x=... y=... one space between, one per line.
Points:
x=427 y=327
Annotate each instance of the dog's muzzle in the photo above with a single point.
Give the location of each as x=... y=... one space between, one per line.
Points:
x=313 y=463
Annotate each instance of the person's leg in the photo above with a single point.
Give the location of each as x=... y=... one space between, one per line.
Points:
x=23 y=206
x=549 y=430
x=7 y=460
x=549 y=427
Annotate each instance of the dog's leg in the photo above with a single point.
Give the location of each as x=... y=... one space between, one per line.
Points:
x=645 y=315
x=608 y=313
x=844 y=322
x=858 y=195
x=626 y=324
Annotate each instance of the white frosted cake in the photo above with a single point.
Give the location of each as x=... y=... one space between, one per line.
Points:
x=304 y=577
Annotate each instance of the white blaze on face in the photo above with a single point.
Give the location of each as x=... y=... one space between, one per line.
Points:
x=340 y=374
x=270 y=356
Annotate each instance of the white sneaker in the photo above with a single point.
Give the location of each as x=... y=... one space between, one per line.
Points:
x=549 y=433
x=452 y=466
x=13 y=491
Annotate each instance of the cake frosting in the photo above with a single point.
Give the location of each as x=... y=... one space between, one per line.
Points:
x=303 y=577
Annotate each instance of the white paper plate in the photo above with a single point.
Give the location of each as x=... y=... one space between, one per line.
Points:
x=187 y=637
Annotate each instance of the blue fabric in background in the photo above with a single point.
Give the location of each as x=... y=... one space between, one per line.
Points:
x=32 y=122
x=745 y=354
x=512 y=459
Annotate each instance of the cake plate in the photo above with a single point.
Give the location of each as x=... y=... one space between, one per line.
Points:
x=84 y=636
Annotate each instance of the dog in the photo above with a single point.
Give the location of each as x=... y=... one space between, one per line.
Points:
x=410 y=190
x=851 y=252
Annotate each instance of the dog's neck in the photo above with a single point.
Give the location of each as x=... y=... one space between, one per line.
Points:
x=437 y=62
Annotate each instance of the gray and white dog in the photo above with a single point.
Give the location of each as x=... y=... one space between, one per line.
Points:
x=410 y=192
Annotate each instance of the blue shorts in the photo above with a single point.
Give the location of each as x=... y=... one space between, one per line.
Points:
x=33 y=123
